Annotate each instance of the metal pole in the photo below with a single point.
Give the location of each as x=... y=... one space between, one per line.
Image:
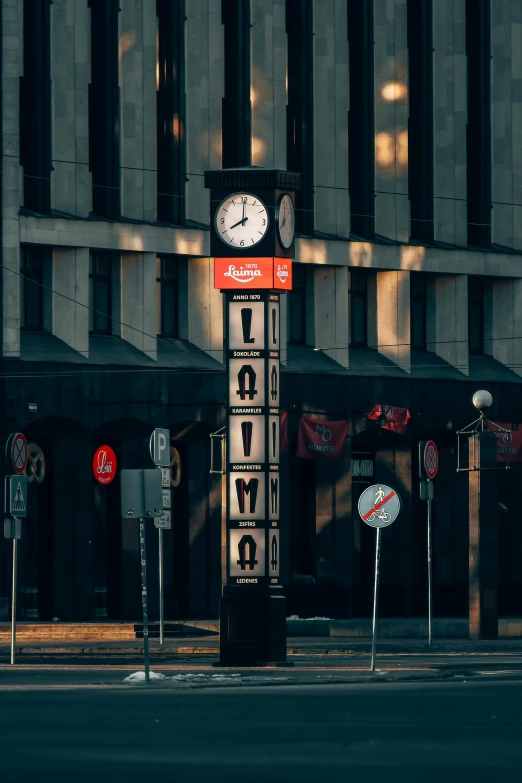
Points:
x=13 y=604
x=430 y=597
x=143 y=557
x=375 y=595
x=162 y=613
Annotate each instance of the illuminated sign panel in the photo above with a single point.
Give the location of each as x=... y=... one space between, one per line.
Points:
x=252 y=274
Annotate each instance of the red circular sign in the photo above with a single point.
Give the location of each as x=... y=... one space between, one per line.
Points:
x=431 y=459
x=18 y=452
x=104 y=465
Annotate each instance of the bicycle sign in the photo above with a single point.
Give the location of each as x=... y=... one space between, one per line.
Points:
x=379 y=505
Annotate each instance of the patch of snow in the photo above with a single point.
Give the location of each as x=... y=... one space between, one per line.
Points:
x=140 y=677
x=296 y=617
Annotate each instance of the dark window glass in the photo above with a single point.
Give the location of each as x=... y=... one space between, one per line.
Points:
x=100 y=292
x=476 y=315
x=104 y=109
x=478 y=49
x=35 y=106
x=171 y=110
x=167 y=293
x=297 y=306
x=358 y=307
x=300 y=117
x=361 y=118
x=237 y=110
x=32 y=261
x=420 y=123
x=418 y=310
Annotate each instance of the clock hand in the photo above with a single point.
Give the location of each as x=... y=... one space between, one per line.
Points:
x=242 y=222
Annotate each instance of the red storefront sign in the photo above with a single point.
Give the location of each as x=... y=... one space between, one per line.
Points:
x=396 y=418
x=509 y=448
x=252 y=274
x=104 y=465
x=321 y=439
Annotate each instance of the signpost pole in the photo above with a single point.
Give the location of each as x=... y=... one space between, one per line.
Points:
x=430 y=597
x=143 y=557
x=161 y=607
x=13 y=603
x=375 y=595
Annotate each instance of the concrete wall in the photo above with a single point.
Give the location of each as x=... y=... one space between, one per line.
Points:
x=332 y=212
x=447 y=322
x=268 y=93
x=392 y=209
x=12 y=62
x=503 y=323
x=506 y=113
x=137 y=53
x=450 y=118
x=393 y=317
x=138 y=301
x=204 y=75
x=331 y=322
x=70 y=297
x=70 y=73
x=205 y=310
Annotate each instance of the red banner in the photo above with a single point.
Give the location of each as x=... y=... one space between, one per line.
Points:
x=396 y=418
x=509 y=448
x=321 y=439
x=283 y=431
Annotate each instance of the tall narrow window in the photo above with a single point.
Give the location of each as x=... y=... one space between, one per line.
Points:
x=35 y=106
x=100 y=292
x=418 y=310
x=170 y=69
x=32 y=261
x=358 y=307
x=420 y=126
x=167 y=293
x=297 y=306
x=476 y=315
x=237 y=110
x=478 y=49
x=104 y=109
x=361 y=119
x=300 y=116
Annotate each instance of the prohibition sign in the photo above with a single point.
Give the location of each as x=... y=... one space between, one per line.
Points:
x=431 y=459
x=17 y=452
x=379 y=505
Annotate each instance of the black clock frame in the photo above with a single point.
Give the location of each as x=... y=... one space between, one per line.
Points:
x=269 y=185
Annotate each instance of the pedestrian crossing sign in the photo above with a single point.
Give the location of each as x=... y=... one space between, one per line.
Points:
x=17 y=496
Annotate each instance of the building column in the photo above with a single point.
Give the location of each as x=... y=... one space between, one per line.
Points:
x=138 y=110
x=392 y=207
x=393 y=317
x=450 y=121
x=70 y=297
x=268 y=93
x=71 y=189
x=447 y=319
x=204 y=74
x=205 y=308
x=331 y=117
x=138 y=301
x=503 y=322
x=330 y=311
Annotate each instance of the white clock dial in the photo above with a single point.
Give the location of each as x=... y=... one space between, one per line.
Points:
x=286 y=220
x=241 y=220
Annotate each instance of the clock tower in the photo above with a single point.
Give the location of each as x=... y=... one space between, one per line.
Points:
x=252 y=225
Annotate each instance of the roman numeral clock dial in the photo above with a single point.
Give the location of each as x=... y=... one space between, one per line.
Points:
x=241 y=220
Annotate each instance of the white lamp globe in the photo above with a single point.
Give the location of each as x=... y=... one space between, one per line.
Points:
x=482 y=399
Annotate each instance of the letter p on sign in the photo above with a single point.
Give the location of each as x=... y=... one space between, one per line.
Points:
x=160 y=447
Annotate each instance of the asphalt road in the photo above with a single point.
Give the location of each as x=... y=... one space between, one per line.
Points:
x=457 y=730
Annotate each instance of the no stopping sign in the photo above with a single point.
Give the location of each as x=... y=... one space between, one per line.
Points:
x=431 y=459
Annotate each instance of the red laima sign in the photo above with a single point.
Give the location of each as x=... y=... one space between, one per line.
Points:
x=321 y=439
x=104 y=465
x=252 y=274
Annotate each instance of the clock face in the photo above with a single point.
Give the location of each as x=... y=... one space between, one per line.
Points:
x=286 y=221
x=241 y=220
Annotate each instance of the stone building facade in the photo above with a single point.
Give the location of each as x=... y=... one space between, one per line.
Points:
x=404 y=118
